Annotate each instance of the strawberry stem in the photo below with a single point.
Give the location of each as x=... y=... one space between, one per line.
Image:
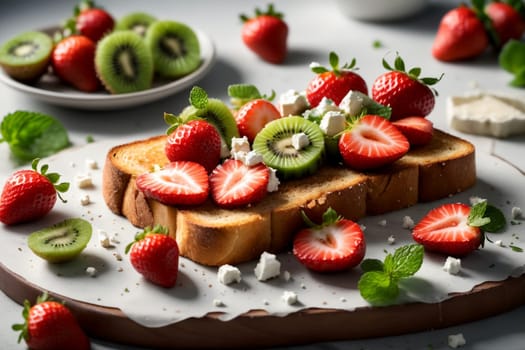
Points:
x=333 y=59
x=258 y=13
x=51 y=177
x=157 y=229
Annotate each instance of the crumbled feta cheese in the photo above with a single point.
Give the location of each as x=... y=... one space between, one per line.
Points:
x=91 y=164
x=300 y=141
x=292 y=103
x=91 y=271
x=286 y=275
x=499 y=243
x=516 y=213
x=391 y=239
x=456 y=340
x=354 y=102
x=273 y=182
x=103 y=238
x=333 y=122
x=114 y=239
x=267 y=267
x=321 y=109
x=252 y=158
x=83 y=180
x=228 y=274
x=475 y=200
x=85 y=200
x=289 y=297
x=452 y=265
x=408 y=223
x=382 y=223
x=117 y=256
x=240 y=144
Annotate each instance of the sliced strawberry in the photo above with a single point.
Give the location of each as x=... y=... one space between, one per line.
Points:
x=417 y=130
x=178 y=183
x=446 y=229
x=234 y=184
x=254 y=115
x=333 y=246
x=372 y=141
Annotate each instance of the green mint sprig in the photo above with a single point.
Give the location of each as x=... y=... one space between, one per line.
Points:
x=33 y=135
x=379 y=285
x=241 y=94
x=511 y=59
x=487 y=217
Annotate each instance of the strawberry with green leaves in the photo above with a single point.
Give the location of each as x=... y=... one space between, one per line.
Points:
x=155 y=255
x=50 y=325
x=266 y=34
x=194 y=140
x=334 y=83
x=507 y=19
x=404 y=91
x=234 y=184
x=463 y=33
x=334 y=245
x=178 y=183
x=457 y=229
x=73 y=61
x=90 y=21
x=370 y=142
x=30 y=194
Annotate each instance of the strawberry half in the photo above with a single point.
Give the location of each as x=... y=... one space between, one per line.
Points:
x=30 y=194
x=417 y=130
x=404 y=91
x=370 y=142
x=178 y=183
x=234 y=184
x=50 y=325
x=448 y=230
x=266 y=34
x=254 y=115
x=155 y=255
x=334 y=84
x=197 y=141
x=337 y=244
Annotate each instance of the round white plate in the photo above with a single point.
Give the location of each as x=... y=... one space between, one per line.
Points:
x=49 y=89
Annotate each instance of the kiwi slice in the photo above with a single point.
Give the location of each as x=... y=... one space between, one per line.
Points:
x=26 y=56
x=213 y=111
x=124 y=63
x=61 y=242
x=138 y=22
x=274 y=143
x=175 y=48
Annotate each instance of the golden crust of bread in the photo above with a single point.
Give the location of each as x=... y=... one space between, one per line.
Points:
x=213 y=236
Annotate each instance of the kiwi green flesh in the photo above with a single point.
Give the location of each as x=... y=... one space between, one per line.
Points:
x=274 y=143
x=61 y=242
x=217 y=114
x=124 y=63
x=26 y=56
x=175 y=48
x=137 y=22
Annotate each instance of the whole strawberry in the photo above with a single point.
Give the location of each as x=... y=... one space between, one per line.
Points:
x=29 y=194
x=461 y=35
x=195 y=140
x=506 y=20
x=266 y=34
x=90 y=21
x=334 y=84
x=405 y=92
x=73 y=61
x=155 y=255
x=49 y=325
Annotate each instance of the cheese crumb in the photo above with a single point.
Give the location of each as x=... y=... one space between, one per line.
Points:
x=252 y=158
x=292 y=103
x=103 y=238
x=91 y=164
x=382 y=223
x=286 y=275
x=333 y=122
x=91 y=271
x=85 y=200
x=289 y=297
x=228 y=274
x=408 y=223
x=452 y=265
x=267 y=267
x=391 y=239
x=475 y=200
x=456 y=340
x=300 y=141
x=83 y=181
x=218 y=303
x=516 y=213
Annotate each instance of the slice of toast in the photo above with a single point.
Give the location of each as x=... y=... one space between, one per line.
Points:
x=214 y=236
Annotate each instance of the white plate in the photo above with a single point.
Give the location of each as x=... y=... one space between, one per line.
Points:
x=49 y=89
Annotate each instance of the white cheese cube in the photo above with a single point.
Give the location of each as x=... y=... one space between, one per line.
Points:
x=354 y=102
x=84 y=181
x=240 y=144
x=300 y=141
x=452 y=265
x=228 y=274
x=333 y=122
x=267 y=267
x=252 y=158
x=516 y=213
x=456 y=340
x=91 y=271
x=273 y=182
x=85 y=200
x=289 y=297
x=103 y=238
x=292 y=103
x=91 y=164
x=408 y=223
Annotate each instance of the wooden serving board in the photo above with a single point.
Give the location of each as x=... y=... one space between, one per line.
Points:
x=259 y=329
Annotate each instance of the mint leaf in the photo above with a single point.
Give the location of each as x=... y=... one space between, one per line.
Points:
x=511 y=59
x=198 y=97
x=407 y=260
x=33 y=135
x=477 y=217
x=244 y=91
x=377 y=288
x=372 y=265
x=497 y=219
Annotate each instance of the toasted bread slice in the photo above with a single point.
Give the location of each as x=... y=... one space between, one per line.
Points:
x=214 y=236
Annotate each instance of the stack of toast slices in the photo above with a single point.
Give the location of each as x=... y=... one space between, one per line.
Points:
x=213 y=236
